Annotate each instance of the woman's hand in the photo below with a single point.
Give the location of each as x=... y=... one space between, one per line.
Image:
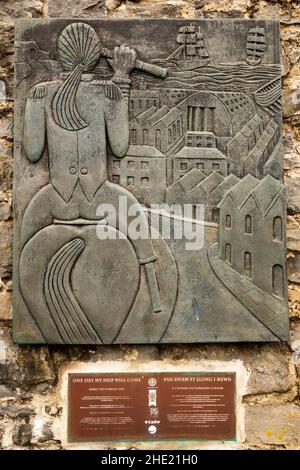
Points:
x=123 y=61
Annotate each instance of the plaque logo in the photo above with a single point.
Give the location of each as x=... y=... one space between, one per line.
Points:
x=152 y=429
x=152 y=382
x=152 y=395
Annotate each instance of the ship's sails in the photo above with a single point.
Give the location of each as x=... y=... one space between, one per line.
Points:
x=191 y=45
x=256 y=45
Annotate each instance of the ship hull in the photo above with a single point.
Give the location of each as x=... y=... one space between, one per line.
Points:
x=191 y=64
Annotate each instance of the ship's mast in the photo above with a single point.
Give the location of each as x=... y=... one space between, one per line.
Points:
x=191 y=44
x=202 y=52
x=256 y=45
x=181 y=39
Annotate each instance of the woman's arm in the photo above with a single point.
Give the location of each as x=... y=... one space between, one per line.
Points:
x=116 y=111
x=116 y=118
x=35 y=123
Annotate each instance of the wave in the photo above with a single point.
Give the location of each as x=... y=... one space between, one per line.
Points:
x=208 y=79
x=239 y=76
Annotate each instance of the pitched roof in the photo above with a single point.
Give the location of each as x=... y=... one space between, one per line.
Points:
x=142 y=117
x=228 y=182
x=158 y=115
x=249 y=128
x=170 y=117
x=254 y=122
x=191 y=179
x=263 y=142
x=276 y=156
x=266 y=192
x=240 y=191
x=144 y=151
x=217 y=194
x=200 y=152
x=211 y=182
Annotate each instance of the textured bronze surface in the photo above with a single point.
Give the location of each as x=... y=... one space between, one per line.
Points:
x=151 y=406
x=139 y=113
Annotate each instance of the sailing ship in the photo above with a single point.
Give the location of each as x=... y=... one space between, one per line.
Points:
x=256 y=45
x=191 y=53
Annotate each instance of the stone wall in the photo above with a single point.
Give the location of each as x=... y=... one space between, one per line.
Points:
x=31 y=414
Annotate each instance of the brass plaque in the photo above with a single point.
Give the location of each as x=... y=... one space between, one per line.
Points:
x=131 y=406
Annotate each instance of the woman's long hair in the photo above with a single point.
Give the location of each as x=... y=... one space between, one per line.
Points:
x=79 y=51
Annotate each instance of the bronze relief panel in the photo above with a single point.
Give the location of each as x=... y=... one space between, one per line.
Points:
x=148 y=182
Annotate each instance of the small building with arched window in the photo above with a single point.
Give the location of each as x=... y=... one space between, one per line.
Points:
x=169 y=128
x=251 y=232
x=161 y=128
x=212 y=212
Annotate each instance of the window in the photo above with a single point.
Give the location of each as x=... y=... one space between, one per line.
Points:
x=183 y=166
x=277 y=228
x=228 y=252
x=145 y=165
x=130 y=164
x=158 y=139
x=277 y=277
x=133 y=136
x=216 y=166
x=132 y=104
x=115 y=179
x=248 y=224
x=130 y=180
x=140 y=104
x=116 y=164
x=200 y=166
x=145 y=136
x=248 y=264
x=174 y=132
x=215 y=215
x=147 y=103
x=228 y=221
x=145 y=181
